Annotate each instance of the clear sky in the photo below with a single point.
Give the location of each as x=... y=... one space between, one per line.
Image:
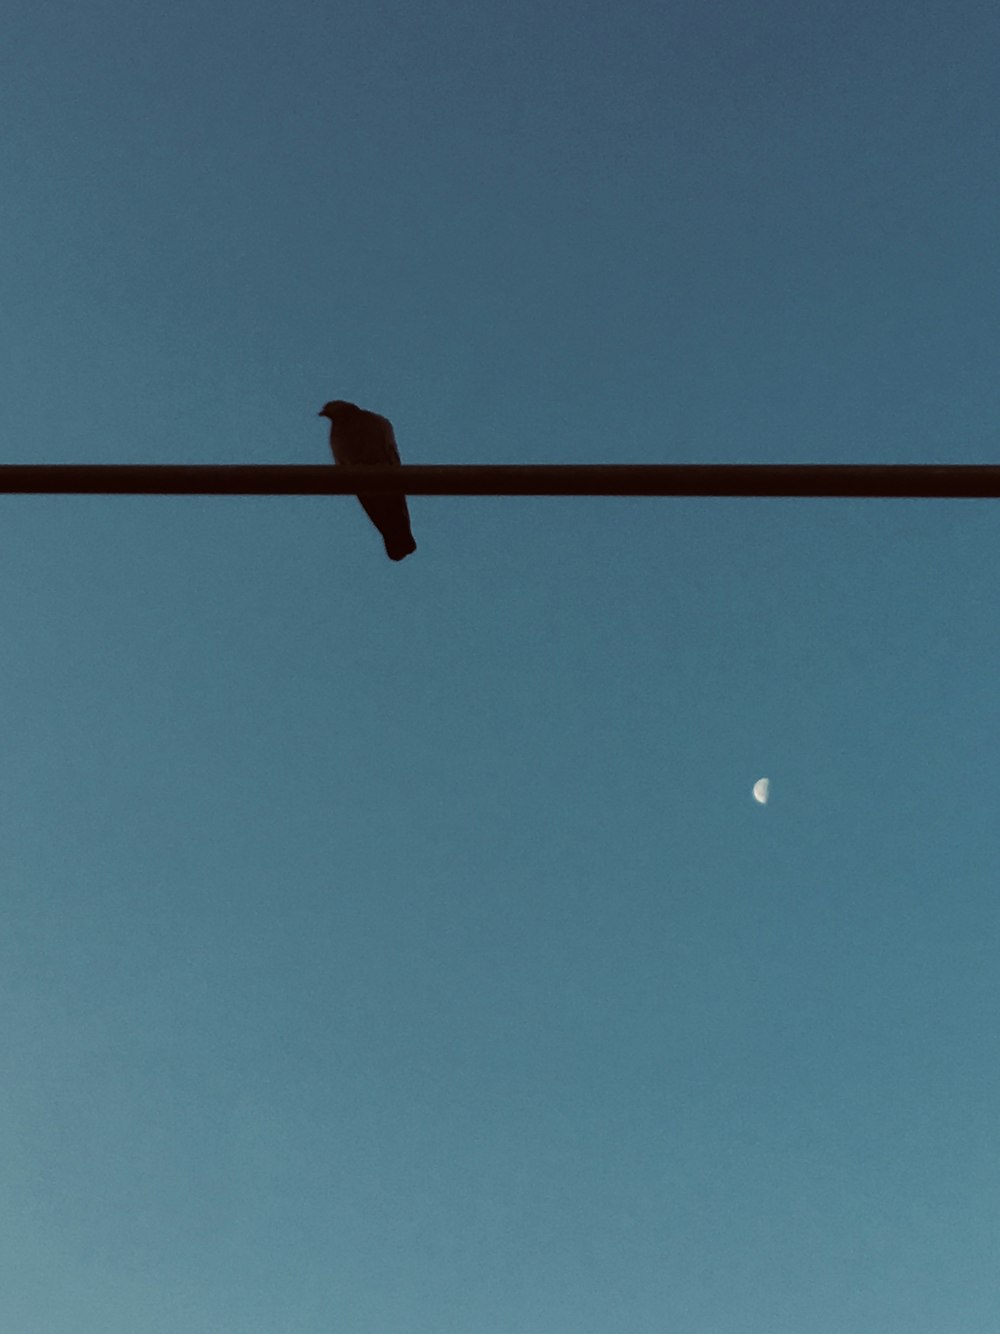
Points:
x=399 y=949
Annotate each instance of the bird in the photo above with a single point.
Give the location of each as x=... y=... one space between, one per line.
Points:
x=364 y=439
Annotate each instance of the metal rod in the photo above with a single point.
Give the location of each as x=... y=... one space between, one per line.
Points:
x=714 y=479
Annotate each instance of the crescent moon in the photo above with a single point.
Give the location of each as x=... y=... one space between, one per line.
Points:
x=761 y=790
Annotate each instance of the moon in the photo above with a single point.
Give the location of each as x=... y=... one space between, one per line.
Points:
x=761 y=789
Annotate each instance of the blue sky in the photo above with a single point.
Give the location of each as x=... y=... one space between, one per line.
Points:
x=399 y=948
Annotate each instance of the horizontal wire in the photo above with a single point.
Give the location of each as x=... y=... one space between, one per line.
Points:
x=927 y=481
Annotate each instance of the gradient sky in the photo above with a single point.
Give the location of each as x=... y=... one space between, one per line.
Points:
x=398 y=949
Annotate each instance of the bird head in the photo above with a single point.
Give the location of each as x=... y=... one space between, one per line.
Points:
x=335 y=408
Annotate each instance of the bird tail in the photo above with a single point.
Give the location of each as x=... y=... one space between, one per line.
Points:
x=391 y=517
x=399 y=545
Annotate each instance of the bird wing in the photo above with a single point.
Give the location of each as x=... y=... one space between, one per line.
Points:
x=387 y=450
x=365 y=439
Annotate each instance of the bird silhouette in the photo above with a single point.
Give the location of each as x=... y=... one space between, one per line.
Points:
x=364 y=439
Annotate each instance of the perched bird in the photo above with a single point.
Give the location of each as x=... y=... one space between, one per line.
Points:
x=365 y=439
